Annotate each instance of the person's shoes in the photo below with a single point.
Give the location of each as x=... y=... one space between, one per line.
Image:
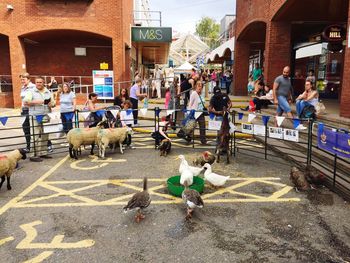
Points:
x=35 y=159
x=131 y=146
x=301 y=127
x=204 y=142
x=46 y=156
x=245 y=109
x=50 y=149
x=27 y=150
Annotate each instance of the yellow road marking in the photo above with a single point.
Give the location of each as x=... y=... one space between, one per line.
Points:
x=5 y=240
x=15 y=200
x=40 y=258
x=57 y=241
x=125 y=183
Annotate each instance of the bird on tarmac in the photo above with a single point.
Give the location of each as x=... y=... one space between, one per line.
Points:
x=139 y=201
x=216 y=180
x=192 y=200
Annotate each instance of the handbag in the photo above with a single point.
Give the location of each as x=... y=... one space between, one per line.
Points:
x=320 y=108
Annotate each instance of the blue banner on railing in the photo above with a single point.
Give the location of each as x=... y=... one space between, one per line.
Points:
x=334 y=142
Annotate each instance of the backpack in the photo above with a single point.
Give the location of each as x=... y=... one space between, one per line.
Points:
x=308 y=112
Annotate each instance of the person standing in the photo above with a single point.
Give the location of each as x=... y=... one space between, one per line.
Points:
x=257 y=72
x=229 y=77
x=27 y=85
x=212 y=81
x=311 y=77
x=135 y=95
x=39 y=100
x=174 y=103
x=197 y=103
x=283 y=93
x=218 y=103
x=158 y=81
x=68 y=105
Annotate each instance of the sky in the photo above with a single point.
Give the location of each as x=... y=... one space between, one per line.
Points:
x=182 y=15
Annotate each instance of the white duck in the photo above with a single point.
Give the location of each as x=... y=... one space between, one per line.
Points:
x=213 y=178
x=186 y=173
x=184 y=165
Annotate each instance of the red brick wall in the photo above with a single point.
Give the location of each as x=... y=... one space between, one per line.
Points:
x=59 y=59
x=345 y=94
x=6 y=100
x=108 y=18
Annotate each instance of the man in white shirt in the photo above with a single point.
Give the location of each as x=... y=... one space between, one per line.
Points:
x=27 y=85
x=197 y=103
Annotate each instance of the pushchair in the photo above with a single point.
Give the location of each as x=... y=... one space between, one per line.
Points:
x=112 y=122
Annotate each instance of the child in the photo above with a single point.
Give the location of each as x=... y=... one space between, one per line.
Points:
x=167 y=98
x=127 y=120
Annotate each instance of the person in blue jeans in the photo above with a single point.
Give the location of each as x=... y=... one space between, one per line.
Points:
x=308 y=97
x=283 y=92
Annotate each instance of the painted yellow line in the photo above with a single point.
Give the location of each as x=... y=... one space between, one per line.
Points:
x=40 y=258
x=5 y=240
x=15 y=200
x=279 y=193
x=223 y=190
x=213 y=201
x=57 y=241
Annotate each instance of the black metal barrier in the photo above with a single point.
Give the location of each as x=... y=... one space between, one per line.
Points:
x=303 y=152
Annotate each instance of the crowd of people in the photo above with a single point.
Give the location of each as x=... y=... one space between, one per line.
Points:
x=184 y=92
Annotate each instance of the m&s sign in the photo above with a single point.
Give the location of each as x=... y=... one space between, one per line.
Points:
x=151 y=34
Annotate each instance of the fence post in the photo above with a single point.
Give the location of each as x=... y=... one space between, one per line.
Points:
x=33 y=133
x=309 y=143
x=335 y=169
x=234 y=134
x=156 y=127
x=265 y=142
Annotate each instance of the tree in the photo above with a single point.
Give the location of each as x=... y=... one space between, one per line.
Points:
x=208 y=30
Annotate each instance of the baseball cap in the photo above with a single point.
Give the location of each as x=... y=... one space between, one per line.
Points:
x=217 y=90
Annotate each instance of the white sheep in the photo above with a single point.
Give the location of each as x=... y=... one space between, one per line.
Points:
x=8 y=163
x=114 y=136
x=82 y=136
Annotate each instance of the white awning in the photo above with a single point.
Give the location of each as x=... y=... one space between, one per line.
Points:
x=220 y=51
x=309 y=51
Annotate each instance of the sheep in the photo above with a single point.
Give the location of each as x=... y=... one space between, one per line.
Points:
x=82 y=136
x=113 y=136
x=8 y=163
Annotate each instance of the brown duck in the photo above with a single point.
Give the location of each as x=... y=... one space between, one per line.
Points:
x=192 y=200
x=139 y=201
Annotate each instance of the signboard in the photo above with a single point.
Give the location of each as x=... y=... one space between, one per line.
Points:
x=247 y=128
x=291 y=135
x=214 y=125
x=151 y=34
x=259 y=130
x=334 y=142
x=103 y=83
x=276 y=132
x=334 y=33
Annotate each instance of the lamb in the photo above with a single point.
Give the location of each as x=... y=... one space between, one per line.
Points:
x=114 y=136
x=8 y=163
x=82 y=136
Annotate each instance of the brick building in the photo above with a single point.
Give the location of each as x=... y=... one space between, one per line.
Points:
x=40 y=37
x=272 y=32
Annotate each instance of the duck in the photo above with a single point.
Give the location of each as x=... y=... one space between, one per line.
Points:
x=205 y=157
x=139 y=201
x=184 y=165
x=213 y=178
x=192 y=199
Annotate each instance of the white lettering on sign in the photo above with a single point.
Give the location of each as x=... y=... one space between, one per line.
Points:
x=334 y=35
x=151 y=34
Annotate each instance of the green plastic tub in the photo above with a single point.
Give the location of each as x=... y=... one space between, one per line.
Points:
x=176 y=189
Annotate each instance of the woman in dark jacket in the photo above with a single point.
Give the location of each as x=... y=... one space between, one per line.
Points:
x=119 y=100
